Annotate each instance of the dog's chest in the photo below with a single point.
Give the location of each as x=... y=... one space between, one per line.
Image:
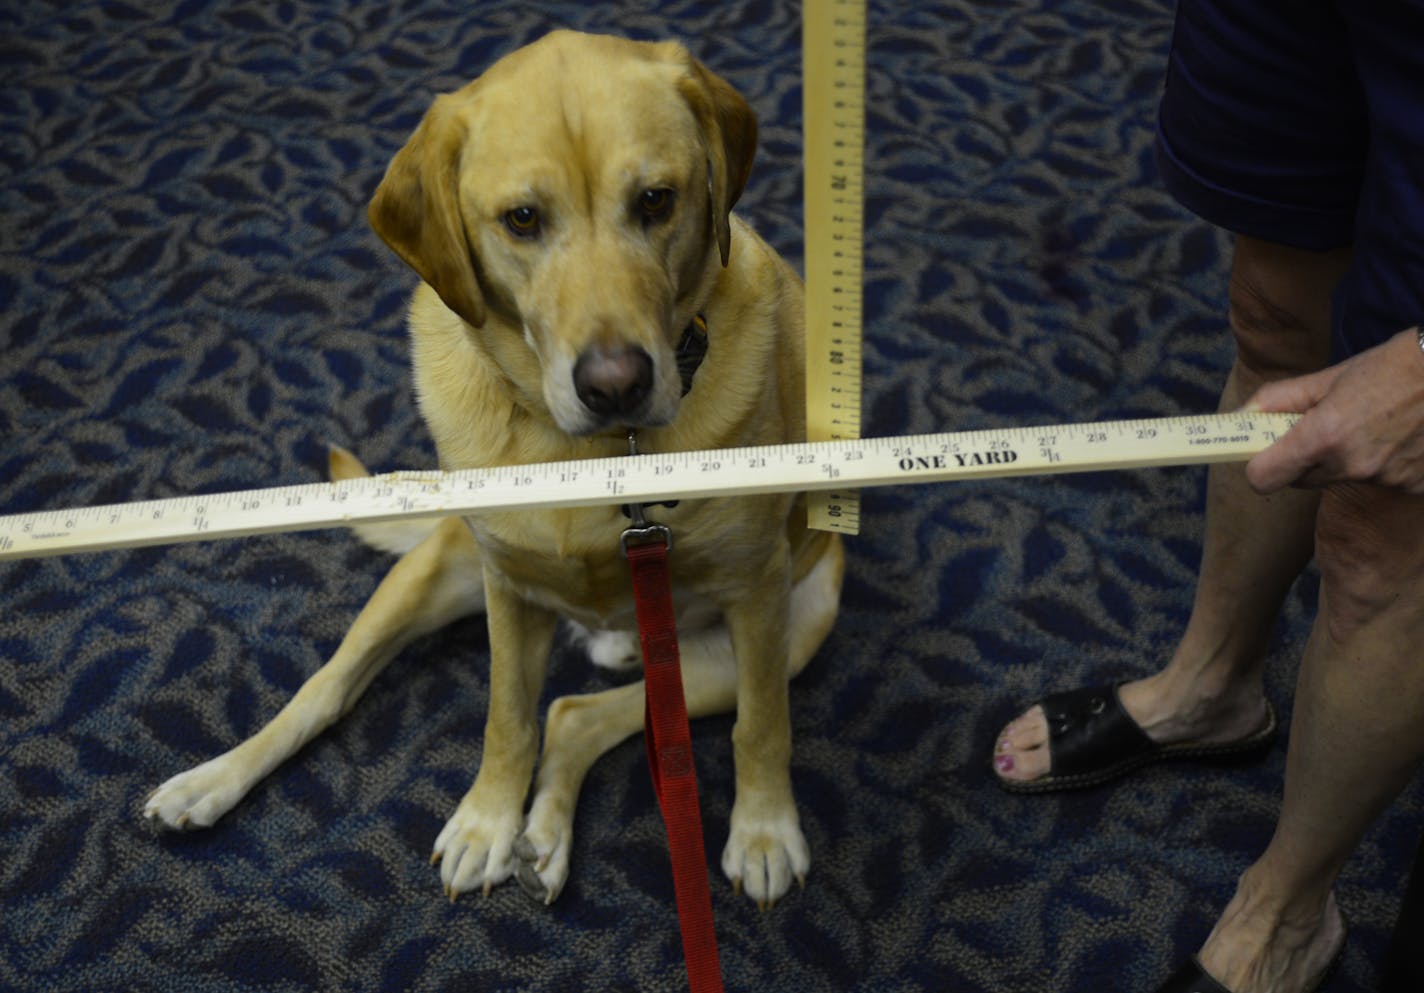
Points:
x=568 y=561
x=572 y=562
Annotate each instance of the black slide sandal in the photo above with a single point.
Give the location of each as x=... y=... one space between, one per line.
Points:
x=1092 y=740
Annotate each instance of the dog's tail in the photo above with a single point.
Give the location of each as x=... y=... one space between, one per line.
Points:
x=396 y=537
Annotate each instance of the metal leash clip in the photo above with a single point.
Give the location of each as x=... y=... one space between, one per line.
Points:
x=642 y=531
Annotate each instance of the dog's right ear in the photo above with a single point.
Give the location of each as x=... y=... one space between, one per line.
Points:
x=416 y=210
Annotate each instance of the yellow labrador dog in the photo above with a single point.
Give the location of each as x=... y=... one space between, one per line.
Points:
x=569 y=213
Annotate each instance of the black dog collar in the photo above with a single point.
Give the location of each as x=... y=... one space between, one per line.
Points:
x=691 y=350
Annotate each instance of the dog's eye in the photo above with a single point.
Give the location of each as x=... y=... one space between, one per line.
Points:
x=655 y=205
x=522 y=222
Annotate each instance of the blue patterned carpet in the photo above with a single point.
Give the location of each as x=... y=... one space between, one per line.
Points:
x=191 y=301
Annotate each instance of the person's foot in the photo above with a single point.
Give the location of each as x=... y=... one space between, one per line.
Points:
x=1259 y=948
x=1022 y=754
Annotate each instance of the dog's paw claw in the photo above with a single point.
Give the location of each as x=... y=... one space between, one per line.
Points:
x=533 y=871
x=543 y=850
x=474 y=851
x=194 y=799
x=531 y=884
x=764 y=855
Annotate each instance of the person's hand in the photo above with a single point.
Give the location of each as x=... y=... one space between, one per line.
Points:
x=1363 y=422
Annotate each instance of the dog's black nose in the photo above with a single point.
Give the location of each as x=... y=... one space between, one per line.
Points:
x=612 y=381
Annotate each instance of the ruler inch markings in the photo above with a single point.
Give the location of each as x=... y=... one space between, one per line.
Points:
x=833 y=93
x=812 y=467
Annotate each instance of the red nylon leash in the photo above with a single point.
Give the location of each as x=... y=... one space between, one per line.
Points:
x=669 y=744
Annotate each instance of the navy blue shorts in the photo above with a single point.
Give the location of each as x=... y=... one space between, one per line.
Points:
x=1301 y=122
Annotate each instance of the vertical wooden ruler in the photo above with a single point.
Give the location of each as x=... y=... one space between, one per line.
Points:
x=833 y=95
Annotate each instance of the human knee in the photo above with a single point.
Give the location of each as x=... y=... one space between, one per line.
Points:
x=1370 y=549
x=1279 y=302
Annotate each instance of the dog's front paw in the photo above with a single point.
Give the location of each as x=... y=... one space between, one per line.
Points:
x=544 y=847
x=765 y=852
x=476 y=849
x=196 y=798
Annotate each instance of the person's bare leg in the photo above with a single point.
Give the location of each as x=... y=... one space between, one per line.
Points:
x=1254 y=547
x=1357 y=739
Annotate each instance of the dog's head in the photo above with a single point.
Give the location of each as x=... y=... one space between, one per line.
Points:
x=572 y=205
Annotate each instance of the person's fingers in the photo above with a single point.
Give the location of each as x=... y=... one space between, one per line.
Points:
x=1295 y=457
x=1291 y=460
x=1295 y=395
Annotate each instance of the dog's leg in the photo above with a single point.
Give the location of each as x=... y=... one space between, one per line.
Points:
x=435 y=583
x=476 y=848
x=581 y=728
x=765 y=848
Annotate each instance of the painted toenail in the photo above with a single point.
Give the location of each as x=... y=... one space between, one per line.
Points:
x=1004 y=763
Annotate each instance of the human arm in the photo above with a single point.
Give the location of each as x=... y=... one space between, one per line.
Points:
x=1363 y=422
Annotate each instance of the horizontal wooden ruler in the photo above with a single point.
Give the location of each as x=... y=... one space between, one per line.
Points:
x=810 y=467
x=833 y=103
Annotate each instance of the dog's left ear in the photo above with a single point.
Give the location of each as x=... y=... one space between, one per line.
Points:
x=416 y=210
x=729 y=131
